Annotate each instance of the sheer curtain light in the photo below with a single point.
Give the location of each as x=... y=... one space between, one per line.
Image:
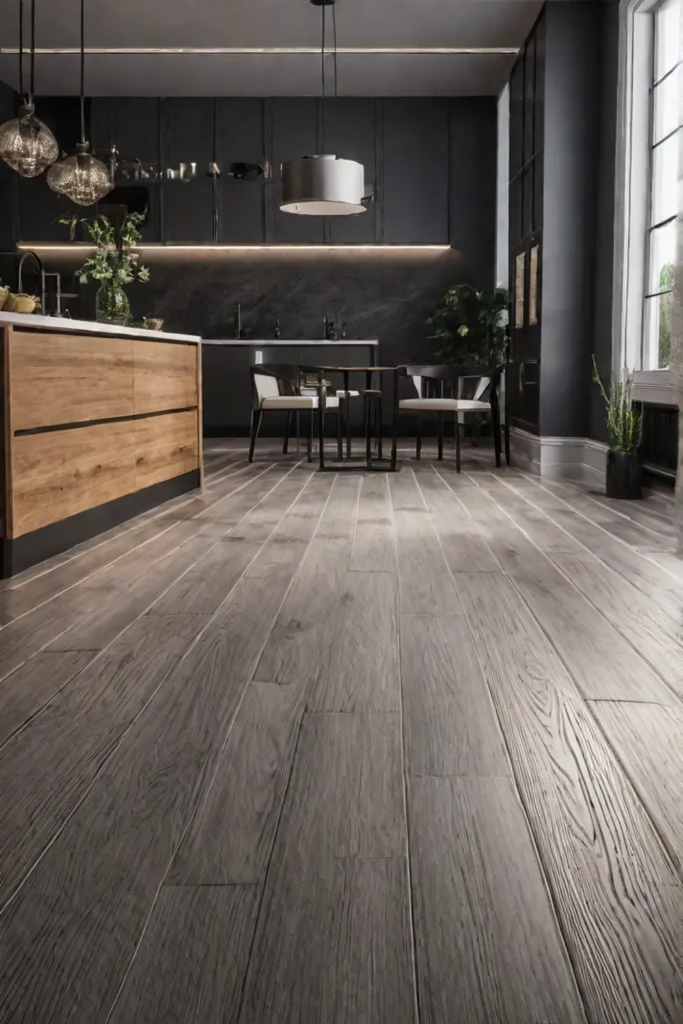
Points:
x=26 y=144
x=82 y=178
x=323 y=185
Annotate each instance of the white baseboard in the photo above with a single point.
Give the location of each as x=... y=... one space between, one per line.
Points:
x=559 y=458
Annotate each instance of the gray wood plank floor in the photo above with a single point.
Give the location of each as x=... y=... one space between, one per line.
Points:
x=347 y=749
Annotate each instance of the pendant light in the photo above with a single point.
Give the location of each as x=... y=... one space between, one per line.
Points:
x=26 y=144
x=82 y=178
x=323 y=184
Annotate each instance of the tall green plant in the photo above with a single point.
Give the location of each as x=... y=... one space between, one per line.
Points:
x=624 y=424
x=471 y=326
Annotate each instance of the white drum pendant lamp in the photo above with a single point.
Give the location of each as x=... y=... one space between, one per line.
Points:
x=323 y=185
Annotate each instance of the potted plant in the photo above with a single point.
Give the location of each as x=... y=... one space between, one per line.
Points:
x=114 y=264
x=624 y=432
x=471 y=326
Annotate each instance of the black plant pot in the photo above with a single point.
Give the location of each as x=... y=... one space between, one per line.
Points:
x=624 y=470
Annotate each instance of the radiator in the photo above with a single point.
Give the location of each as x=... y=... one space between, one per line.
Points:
x=659 y=447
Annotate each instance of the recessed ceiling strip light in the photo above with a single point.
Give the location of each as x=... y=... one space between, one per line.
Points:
x=133 y=51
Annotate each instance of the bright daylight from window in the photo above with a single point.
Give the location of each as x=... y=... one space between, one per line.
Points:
x=666 y=140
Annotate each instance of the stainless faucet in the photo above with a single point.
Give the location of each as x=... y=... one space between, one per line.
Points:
x=24 y=257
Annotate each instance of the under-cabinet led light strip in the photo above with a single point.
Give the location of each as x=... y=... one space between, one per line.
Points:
x=274 y=247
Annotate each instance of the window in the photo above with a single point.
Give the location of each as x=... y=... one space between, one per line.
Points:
x=666 y=136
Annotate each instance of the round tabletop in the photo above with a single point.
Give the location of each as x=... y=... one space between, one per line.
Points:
x=359 y=369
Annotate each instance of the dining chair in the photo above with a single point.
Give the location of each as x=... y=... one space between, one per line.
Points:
x=441 y=389
x=278 y=388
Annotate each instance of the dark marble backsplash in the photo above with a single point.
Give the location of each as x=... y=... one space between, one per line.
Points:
x=381 y=294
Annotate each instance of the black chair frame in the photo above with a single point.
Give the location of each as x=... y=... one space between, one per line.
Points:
x=288 y=379
x=444 y=382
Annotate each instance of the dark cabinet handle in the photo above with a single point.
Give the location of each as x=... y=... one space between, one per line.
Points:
x=521 y=376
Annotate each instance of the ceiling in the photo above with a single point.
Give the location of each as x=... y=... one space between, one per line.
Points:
x=144 y=25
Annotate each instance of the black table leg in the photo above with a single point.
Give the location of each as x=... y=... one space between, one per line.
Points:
x=347 y=413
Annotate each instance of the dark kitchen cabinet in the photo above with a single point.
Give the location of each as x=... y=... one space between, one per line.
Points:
x=189 y=135
x=291 y=129
x=132 y=125
x=351 y=132
x=240 y=139
x=415 y=171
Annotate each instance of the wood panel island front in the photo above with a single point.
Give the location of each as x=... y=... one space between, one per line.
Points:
x=100 y=423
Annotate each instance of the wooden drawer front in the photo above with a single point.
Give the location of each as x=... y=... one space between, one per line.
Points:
x=165 y=376
x=165 y=446
x=57 y=379
x=62 y=472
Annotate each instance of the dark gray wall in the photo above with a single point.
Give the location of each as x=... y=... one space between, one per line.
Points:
x=608 y=74
x=569 y=208
x=7 y=193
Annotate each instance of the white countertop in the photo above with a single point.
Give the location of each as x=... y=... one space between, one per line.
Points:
x=35 y=321
x=275 y=342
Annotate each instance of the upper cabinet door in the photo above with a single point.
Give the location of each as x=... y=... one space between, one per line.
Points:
x=132 y=125
x=350 y=132
x=240 y=139
x=293 y=125
x=517 y=117
x=189 y=136
x=415 y=179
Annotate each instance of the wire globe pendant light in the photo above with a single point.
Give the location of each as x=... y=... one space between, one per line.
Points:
x=323 y=184
x=26 y=144
x=82 y=178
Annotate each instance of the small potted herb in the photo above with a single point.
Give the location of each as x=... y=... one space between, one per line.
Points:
x=624 y=432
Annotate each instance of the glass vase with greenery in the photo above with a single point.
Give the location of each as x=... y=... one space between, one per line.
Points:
x=115 y=264
x=471 y=326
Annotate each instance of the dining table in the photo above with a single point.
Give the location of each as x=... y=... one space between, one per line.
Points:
x=378 y=463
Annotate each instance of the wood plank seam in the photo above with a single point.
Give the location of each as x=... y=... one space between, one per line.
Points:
x=559 y=569
x=578 y=514
x=513 y=775
x=417 y=1009
x=159 y=596
x=116 y=745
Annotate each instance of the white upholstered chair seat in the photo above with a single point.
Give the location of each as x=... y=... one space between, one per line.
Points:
x=346 y=394
x=294 y=402
x=443 y=405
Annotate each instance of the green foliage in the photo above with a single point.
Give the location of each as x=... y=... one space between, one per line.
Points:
x=666 y=308
x=471 y=326
x=114 y=260
x=624 y=424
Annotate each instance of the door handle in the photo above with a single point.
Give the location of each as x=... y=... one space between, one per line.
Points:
x=521 y=376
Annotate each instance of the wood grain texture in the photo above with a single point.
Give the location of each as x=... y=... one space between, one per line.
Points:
x=656 y=635
x=489 y=949
x=425 y=580
x=334 y=945
x=63 y=378
x=46 y=769
x=374 y=545
x=306 y=619
x=165 y=446
x=648 y=741
x=449 y=721
x=333 y=935
x=58 y=474
x=603 y=664
x=231 y=836
x=615 y=890
x=26 y=690
x=287 y=545
x=165 y=376
x=193 y=957
x=462 y=538
x=359 y=668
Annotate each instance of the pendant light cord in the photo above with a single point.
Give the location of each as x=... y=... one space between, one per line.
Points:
x=322 y=74
x=21 y=51
x=334 y=37
x=82 y=71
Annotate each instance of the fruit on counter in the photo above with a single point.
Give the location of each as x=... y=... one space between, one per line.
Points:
x=20 y=302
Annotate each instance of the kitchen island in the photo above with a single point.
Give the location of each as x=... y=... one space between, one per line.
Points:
x=100 y=423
